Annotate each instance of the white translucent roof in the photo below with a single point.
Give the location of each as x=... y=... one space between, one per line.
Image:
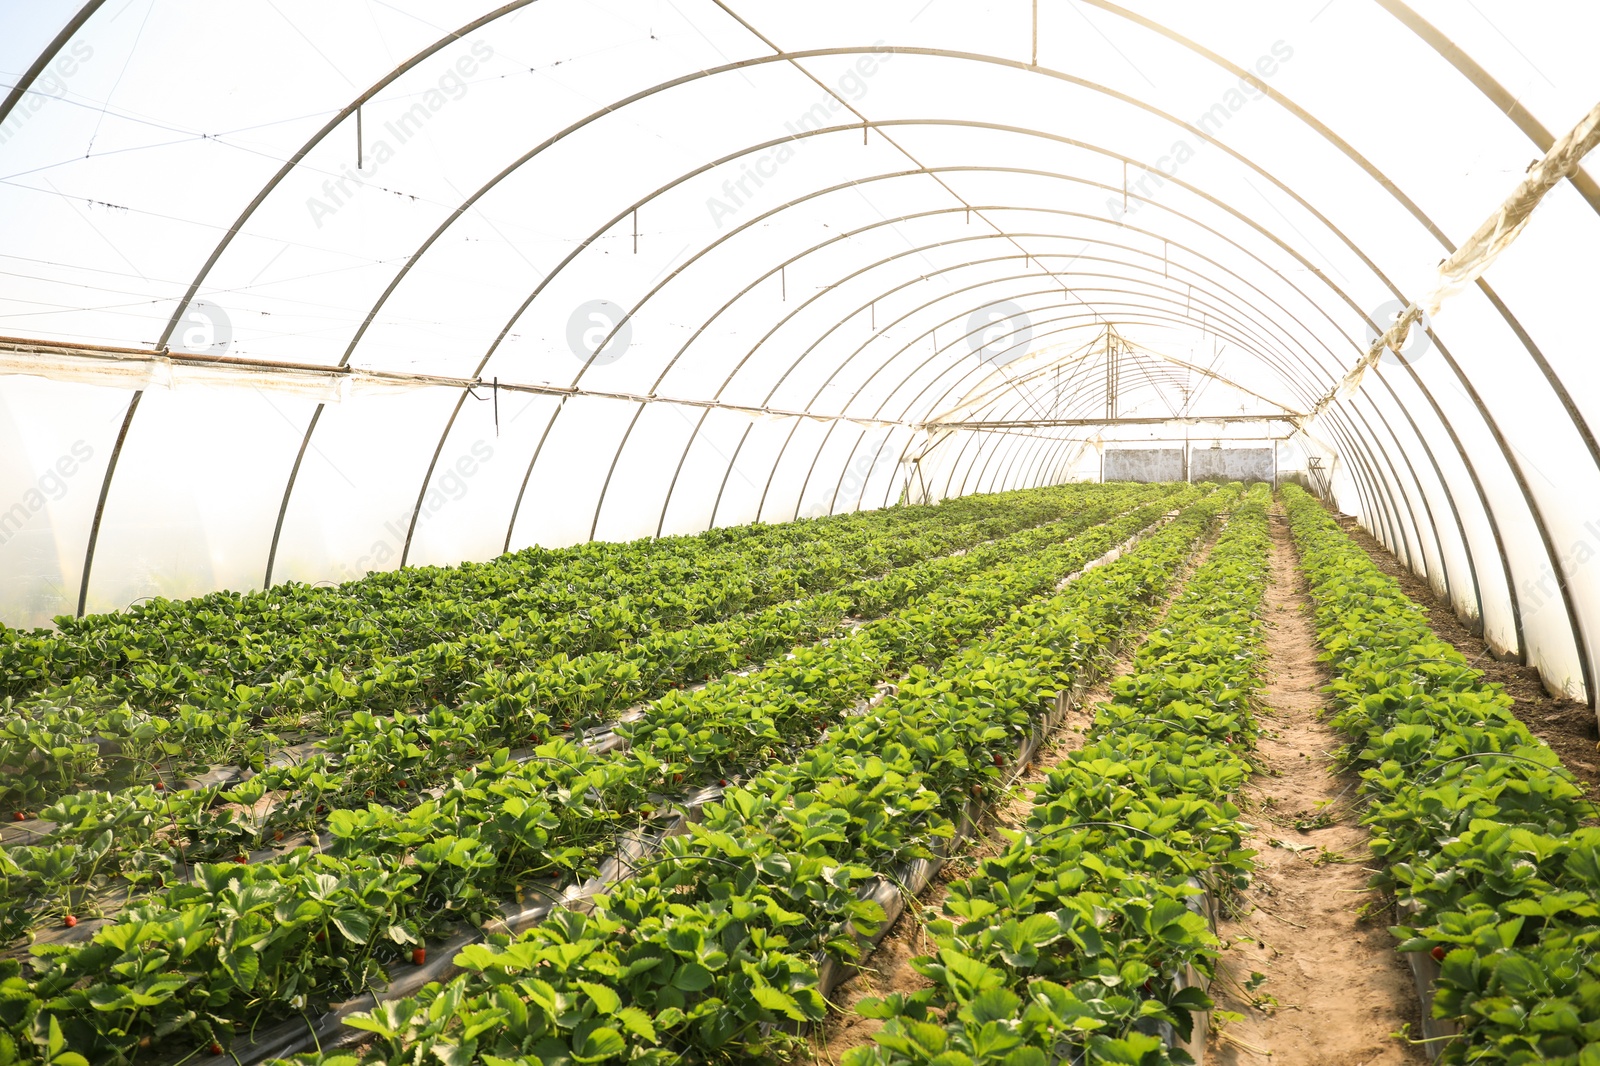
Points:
x=382 y=241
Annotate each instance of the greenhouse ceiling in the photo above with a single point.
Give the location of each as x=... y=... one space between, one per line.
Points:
x=295 y=291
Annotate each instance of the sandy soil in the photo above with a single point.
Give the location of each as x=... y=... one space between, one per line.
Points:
x=1567 y=726
x=1334 y=989
x=889 y=969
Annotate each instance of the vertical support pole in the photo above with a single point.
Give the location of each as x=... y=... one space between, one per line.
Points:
x=636 y=231
x=359 y=141
x=1111 y=377
x=783 y=281
x=1034 y=61
x=497 y=406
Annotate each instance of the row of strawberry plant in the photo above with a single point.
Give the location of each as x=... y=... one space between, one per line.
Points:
x=614 y=587
x=61 y=744
x=1486 y=840
x=397 y=755
x=710 y=952
x=1074 y=944
x=100 y=836
x=304 y=931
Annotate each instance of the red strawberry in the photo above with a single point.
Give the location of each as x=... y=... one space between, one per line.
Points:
x=321 y=809
x=419 y=956
x=722 y=781
x=241 y=859
x=322 y=936
x=71 y=920
x=401 y=782
x=19 y=817
x=216 y=1048
x=998 y=761
x=1437 y=953
x=370 y=793
x=277 y=835
x=161 y=786
x=677 y=777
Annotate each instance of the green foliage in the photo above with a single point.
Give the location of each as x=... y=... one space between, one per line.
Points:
x=1071 y=945
x=1479 y=826
x=773 y=877
x=503 y=823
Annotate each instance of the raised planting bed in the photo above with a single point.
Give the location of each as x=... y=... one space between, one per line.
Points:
x=1487 y=843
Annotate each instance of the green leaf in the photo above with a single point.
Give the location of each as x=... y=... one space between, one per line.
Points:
x=777 y=1000
x=637 y=1022
x=354 y=925
x=601 y=1043
x=606 y=1000
x=692 y=977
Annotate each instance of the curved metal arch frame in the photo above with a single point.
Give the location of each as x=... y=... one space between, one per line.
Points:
x=1485 y=84
x=586 y=121
x=904 y=173
x=1503 y=101
x=44 y=58
x=423 y=490
x=1160 y=317
x=1034 y=464
x=1394 y=538
x=1357 y=457
x=1229 y=241
x=1174 y=294
x=1575 y=623
x=1444 y=483
x=833 y=502
x=1379 y=510
x=222 y=245
x=806 y=303
x=1095 y=240
x=1404 y=541
x=1577 y=633
x=1385 y=510
x=1357 y=452
x=1171 y=297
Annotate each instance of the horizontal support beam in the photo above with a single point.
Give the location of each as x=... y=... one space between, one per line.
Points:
x=1153 y=420
x=137 y=368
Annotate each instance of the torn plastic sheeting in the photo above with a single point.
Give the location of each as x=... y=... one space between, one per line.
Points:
x=1468 y=262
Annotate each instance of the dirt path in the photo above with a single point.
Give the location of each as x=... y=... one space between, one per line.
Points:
x=889 y=968
x=1334 y=987
x=1566 y=725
